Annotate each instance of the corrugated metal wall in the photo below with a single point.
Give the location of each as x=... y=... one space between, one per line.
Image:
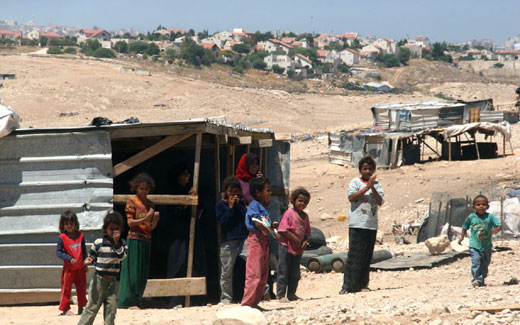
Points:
x=44 y=174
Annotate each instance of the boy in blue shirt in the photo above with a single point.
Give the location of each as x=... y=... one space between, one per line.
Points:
x=483 y=225
x=231 y=212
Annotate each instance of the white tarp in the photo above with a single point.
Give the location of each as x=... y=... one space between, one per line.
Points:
x=511 y=215
x=9 y=120
x=503 y=128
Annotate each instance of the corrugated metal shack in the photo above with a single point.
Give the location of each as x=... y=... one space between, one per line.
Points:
x=401 y=130
x=87 y=169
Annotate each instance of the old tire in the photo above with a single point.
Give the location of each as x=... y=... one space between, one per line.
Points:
x=317 y=239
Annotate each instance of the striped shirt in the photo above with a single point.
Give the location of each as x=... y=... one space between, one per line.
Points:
x=107 y=256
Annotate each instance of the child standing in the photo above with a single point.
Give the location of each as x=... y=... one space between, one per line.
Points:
x=142 y=219
x=248 y=168
x=72 y=250
x=257 y=264
x=365 y=195
x=294 y=229
x=482 y=225
x=107 y=254
x=230 y=212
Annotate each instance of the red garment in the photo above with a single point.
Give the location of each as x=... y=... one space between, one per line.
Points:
x=137 y=209
x=301 y=228
x=79 y=279
x=257 y=268
x=72 y=247
x=73 y=273
x=242 y=171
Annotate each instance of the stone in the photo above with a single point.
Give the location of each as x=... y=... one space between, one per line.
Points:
x=240 y=315
x=325 y=216
x=437 y=245
x=334 y=239
x=437 y=321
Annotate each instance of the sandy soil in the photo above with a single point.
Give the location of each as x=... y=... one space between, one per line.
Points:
x=46 y=87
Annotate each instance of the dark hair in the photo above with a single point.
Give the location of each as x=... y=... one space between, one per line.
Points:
x=68 y=216
x=480 y=197
x=299 y=191
x=367 y=160
x=141 y=178
x=257 y=184
x=112 y=217
x=232 y=182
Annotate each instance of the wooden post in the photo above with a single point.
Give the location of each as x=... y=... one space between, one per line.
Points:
x=502 y=215
x=504 y=144
x=218 y=195
x=476 y=145
x=196 y=170
x=449 y=149
x=233 y=160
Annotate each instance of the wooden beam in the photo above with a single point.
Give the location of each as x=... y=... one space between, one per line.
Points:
x=282 y=137
x=240 y=140
x=161 y=199
x=494 y=309
x=175 y=287
x=148 y=153
x=155 y=130
x=262 y=143
x=196 y=171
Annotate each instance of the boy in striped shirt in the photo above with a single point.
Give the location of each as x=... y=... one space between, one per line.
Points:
x=106 y=253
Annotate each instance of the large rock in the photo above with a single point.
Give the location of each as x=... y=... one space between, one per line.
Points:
x=437 y=245
x=240 y=315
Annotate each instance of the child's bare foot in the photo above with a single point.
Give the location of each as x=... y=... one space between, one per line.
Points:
x=80 y=310
x=134 y=307
x=66 y=313
x=282 y=299
x=266 y=296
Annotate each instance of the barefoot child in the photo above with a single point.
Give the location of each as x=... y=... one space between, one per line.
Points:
x=482 y=225
x=231 y=213
x=365 y=195
x=294 y=230
x=72 y=250
x=257 y=264
x=142 y=219
x=106 y=253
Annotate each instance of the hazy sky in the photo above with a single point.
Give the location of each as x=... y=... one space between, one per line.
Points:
x=449 y=20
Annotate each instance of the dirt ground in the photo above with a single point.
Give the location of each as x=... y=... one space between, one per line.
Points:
x=50 y=92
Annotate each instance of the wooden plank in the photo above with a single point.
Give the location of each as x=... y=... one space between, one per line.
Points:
x=240 y=140
x=30 y=296
x=262 y=143
x=282 y=137
x=148 y=153
x=494 y=309
x=163 y=130
x=196 y=171
x=175 y=287
x=161 y=199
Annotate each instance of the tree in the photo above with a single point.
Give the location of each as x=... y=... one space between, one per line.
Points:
x=402 y=42
x=90 y=46
x=343 y=68
x=152 y=49
x=169 y=54
x=138 y=47
x=195 y=54
x=104 y=53
x=54 y=42
x=390 y=60
x=290 y=73
x=204 y=34
x=404 y=55
x=43 y=41
x=241 y=48
x=355 y=44
x=311 y=53
x=121 y=47
x=277 y=69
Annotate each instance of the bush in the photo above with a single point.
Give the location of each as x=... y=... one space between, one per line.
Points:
x=70 y=50
x=121 y=47
x=343 y=68
x=277 y=69
x=290 y=73
x=152 y=49
x=104 y=53
x=238 y=69
x=138 y=47
x=498 y=65
x=54 y=50
x=195 y=54
x=391 y=60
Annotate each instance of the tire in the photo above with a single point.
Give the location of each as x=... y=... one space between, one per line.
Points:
x=317 y=239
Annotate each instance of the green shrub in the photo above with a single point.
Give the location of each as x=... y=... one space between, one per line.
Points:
x=54 y=50
x=498 y=65
x=277 y=69
x=238 y=69
x=104 y=53
x=70 y=50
